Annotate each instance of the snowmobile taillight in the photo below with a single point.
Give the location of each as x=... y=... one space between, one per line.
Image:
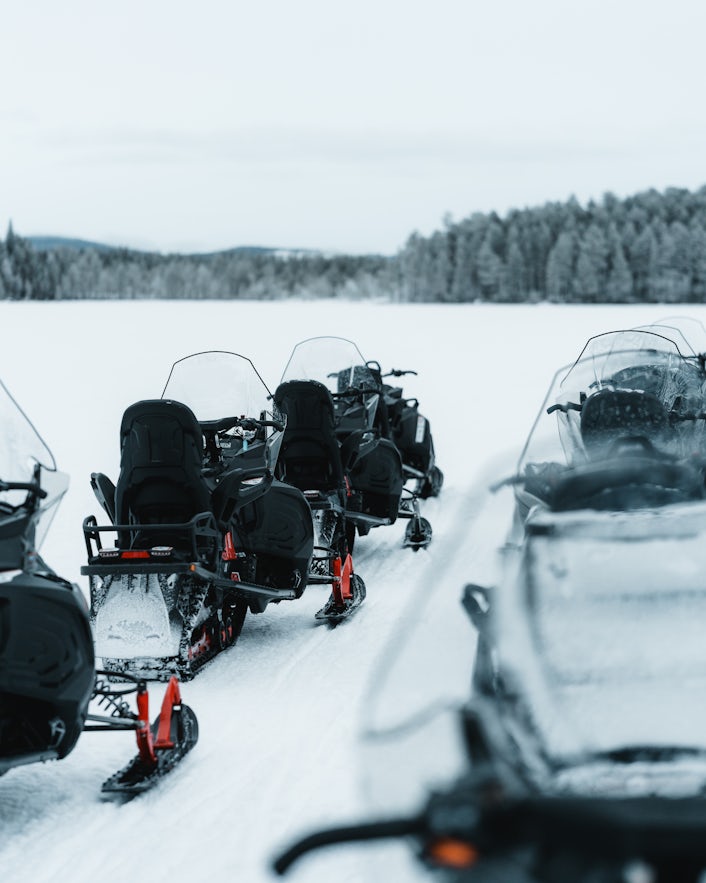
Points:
x=161 y=551
x=447 y=852
x=109 y=553
x=135 y=553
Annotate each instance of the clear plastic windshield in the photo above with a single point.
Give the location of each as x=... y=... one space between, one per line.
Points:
x=688 y=333
x=218 y=384
x=411 y=734
x=340 y=366
x=333 y=361
x=658 y=387
x=26 y=458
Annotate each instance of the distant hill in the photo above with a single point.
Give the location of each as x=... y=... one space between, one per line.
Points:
x=48 y=243
x=51 y=243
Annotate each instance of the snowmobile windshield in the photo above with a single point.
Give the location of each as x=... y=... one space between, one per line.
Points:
x=600 y=642
x=25 y=458
x=333 y=361
x=411 y=737
x=633 y=384
x=218 y=384
x=340 y=366
x=687 y=333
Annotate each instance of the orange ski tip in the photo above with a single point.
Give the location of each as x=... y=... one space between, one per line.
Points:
x=448 y=852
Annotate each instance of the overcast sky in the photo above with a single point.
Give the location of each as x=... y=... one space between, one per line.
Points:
x=315 y=124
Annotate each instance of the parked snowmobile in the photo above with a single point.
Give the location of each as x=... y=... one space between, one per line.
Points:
x=377 y=496
x=203 y=531
x=588 y=762
x=622 y=428
x=47 y=666
x=485 y=829
x=614 y=465
x=315 y=460
x=398 y=418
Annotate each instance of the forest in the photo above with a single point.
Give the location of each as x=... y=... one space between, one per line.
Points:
x=646 y=248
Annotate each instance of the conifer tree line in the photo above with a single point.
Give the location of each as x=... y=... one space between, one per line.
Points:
x=650 y=247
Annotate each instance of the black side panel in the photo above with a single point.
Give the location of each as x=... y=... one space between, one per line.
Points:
x=412 y=436
x=377 y=476
x=278 y=527
x=47 y=668
x=15 y=533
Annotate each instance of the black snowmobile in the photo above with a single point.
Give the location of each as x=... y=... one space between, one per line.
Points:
x=587 y=764
x=47 y=666
x=615 y=466
x=377 y=495
x=398 y=418
x=321 y=463
x=620 y=429
x=203 y=531
x=489 y=827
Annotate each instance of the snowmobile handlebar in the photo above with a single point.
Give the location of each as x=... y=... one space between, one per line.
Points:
x=355 y=392
x=397 y=372
x=223 y=424
x=673 y=416
x=31 y=486
x=461 y=828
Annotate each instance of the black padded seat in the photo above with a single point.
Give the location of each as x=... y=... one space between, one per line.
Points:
x=161 y=480
x=310 y=456
x=611 y=413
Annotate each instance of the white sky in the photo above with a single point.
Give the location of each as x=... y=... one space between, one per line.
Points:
x=315 y=124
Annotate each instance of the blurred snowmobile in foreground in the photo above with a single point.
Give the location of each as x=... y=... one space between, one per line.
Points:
x=203 y=532
x=47 y=673
x=363 y=428
x=585 y=763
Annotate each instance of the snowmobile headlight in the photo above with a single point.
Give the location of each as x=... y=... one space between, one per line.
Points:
x=252 y=481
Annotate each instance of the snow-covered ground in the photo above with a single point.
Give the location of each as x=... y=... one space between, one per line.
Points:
x=280 y=714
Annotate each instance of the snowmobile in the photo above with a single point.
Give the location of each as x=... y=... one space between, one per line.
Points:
x=374 y=465
x=203 y=531
x=588 y=761
x=316 y=460
x=47 y=672
x=614 y=467
x=398 y=418
x=620 y=429
x=483 y=829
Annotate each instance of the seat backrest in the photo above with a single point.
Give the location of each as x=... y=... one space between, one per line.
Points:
x=609 y=414
x=161 y=480
x=310 y=456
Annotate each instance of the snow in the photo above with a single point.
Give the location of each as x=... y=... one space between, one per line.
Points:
x=280 y=715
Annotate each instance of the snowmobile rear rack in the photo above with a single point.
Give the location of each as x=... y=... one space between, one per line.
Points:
x=200 y=529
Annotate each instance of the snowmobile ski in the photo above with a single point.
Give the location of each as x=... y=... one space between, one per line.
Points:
x=161 y=746
x=339 y=606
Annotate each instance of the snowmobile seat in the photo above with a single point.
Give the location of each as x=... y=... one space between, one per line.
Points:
x=161 y=480
x=625 y=482
x=608 y=414
x=310 y=456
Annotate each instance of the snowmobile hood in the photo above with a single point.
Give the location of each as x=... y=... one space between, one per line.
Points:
x=599 y=629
